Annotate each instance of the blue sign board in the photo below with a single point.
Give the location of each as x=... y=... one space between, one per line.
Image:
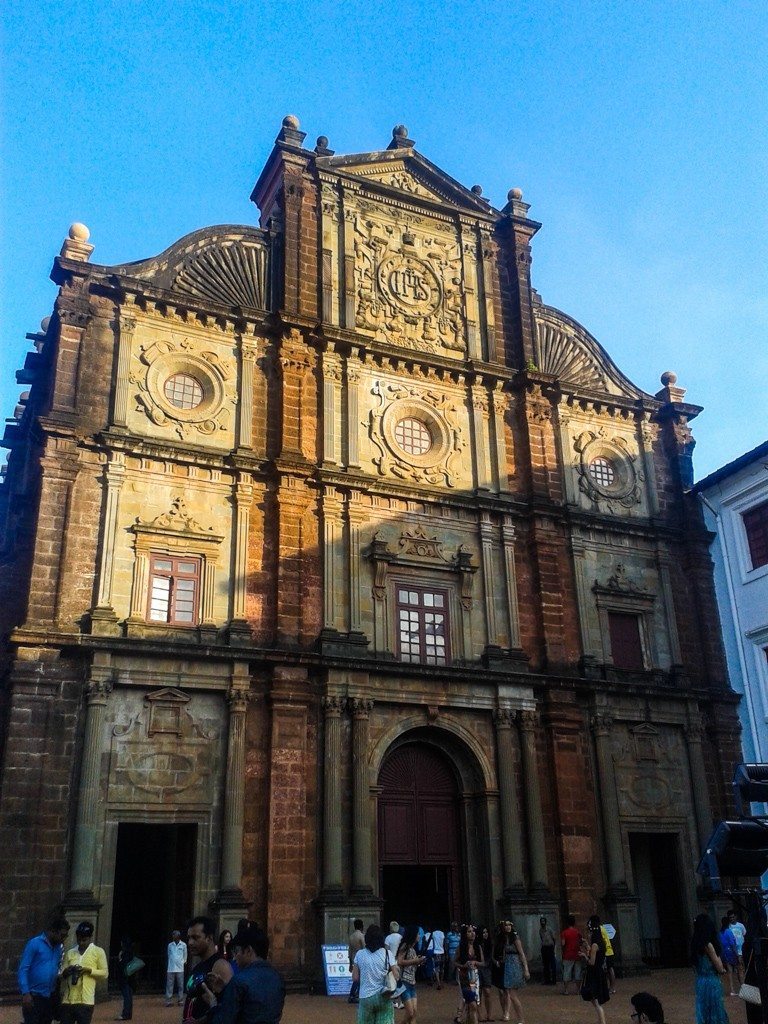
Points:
x=338 y=974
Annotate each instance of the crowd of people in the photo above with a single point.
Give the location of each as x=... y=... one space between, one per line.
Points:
x=228 y=981
x=479 y=961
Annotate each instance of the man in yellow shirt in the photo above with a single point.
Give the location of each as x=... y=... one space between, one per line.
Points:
x=80 y=968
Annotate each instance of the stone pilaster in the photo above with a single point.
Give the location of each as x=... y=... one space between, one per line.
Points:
x=332 y=380
x=333 y=560
x=609 y=802
x=248 y=353
x=333 y=708
x=500 y=404
x=537 y=855
x=353 y=416
x=510 y=581
x=358 y=517
x=97 y=694
x=243 y=501
x=694 y=735
x=234 y=791
x=489 y=583
x=126 y=328
x=362 y=878
x=486 y=264
x=472 y=311
x=103 y=616
x=481 y=438
x=511 y=835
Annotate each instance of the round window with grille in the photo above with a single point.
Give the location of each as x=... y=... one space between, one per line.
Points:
x=413 y=436
x=602 y=471
x=183 y=391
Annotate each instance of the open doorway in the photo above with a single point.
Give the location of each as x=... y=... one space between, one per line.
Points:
x=664 y=926
x=154 y=890
x=417 y=895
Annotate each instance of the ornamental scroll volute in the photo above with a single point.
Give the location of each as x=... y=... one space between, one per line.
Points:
x=409 y=284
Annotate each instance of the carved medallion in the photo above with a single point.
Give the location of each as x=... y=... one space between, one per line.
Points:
x=410 y=283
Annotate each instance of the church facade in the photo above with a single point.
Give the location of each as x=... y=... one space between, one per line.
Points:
x=344 y=577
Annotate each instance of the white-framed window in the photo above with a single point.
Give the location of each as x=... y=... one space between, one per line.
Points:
x=174 y=590
x=423 y=625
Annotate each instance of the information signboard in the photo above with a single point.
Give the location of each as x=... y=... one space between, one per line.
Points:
x=338 y=975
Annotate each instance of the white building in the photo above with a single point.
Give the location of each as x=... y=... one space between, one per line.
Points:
x=735 y=501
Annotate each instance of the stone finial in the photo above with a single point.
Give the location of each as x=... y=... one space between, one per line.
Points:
x=670 y=393
x=45 y=323
x=477 y=189
x=400 y=138
x=515 y=205
x=321 y=146
x=289 y=132
x=76 y=246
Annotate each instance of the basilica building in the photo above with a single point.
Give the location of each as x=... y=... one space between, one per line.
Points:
x=342 y=576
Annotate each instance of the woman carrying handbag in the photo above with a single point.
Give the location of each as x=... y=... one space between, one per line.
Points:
x=375 y=972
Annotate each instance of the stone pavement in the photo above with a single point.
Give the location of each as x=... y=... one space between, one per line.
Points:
x=541 y=1005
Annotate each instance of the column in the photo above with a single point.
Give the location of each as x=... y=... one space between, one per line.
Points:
x=234 y=789
x=480 y=424
x=332 y=556
x=353 y=415
x=358 y=516
x=694 y=734
x=332 y=376
x=245 y=411
x=510 y=579
x=510 y=817
x=126 y=328
x=333 y=706
x=486 y=547
x=500 y=402
x=114 y=477
x=601 y=727
x=89 y=793
x=529 y=720
x=361 y=797
x=242 y=525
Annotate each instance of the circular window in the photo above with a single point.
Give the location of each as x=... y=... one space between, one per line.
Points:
x=602 y=471
x=413 y=436
x=183 y=391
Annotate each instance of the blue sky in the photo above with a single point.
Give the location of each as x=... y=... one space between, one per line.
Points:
x=637 y=131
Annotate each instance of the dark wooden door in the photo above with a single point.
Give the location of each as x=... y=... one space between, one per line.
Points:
x=419 y=817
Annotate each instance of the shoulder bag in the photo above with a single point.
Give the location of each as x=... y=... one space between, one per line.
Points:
x=391 y=978
x=750 y=993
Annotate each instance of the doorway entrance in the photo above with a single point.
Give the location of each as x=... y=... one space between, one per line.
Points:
x=420 y=863
x=154 y=890
x=659 y=888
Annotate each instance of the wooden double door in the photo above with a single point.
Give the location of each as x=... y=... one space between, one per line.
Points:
x=420 y=860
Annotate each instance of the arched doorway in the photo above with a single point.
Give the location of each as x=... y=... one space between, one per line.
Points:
x=419 y=829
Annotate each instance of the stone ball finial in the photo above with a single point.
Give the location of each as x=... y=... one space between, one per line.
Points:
x=399 y=132
x=669 y=378
x=291 y=121
x=322 y=142
x=45 y=323
x=79 y=232
x=514 y=195
x=477 y=189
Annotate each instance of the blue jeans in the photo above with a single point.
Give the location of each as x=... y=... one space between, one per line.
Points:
x=126 y=991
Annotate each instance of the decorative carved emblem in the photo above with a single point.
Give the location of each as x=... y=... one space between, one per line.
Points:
x=177 y=519
x=439 y=416
x=212 y=408
x=409 y=289
x=622 y=583
x=416 y=542
x=564 y=356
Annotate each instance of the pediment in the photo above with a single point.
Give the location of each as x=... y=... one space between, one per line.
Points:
x=570 y=353
x=409 y=174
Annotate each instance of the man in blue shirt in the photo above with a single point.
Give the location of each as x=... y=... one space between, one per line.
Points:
x=256 y=994
x=39 y=971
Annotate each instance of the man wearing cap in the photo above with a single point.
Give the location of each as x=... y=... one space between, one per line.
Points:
x=174 y=975
x=256 y=994
x=81 y=967
x=39 y=971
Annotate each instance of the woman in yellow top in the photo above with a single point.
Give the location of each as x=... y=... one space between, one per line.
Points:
x=81 y=967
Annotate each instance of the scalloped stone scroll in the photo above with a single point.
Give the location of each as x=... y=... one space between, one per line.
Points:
x=563 y=356
x=233 y=275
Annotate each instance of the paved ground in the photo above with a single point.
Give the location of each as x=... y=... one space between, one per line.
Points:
x=541 y=1005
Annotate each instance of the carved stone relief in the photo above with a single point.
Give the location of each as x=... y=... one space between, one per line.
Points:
x=161 y=751
x=650 y=772
x=425 y=409
x=231 y=274
x=206 y=409
x=409 y=285
x=608 y=471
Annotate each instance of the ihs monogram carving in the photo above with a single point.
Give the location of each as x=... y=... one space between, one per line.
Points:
x=436 y=416
x=210 y=407
x=409 y=289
